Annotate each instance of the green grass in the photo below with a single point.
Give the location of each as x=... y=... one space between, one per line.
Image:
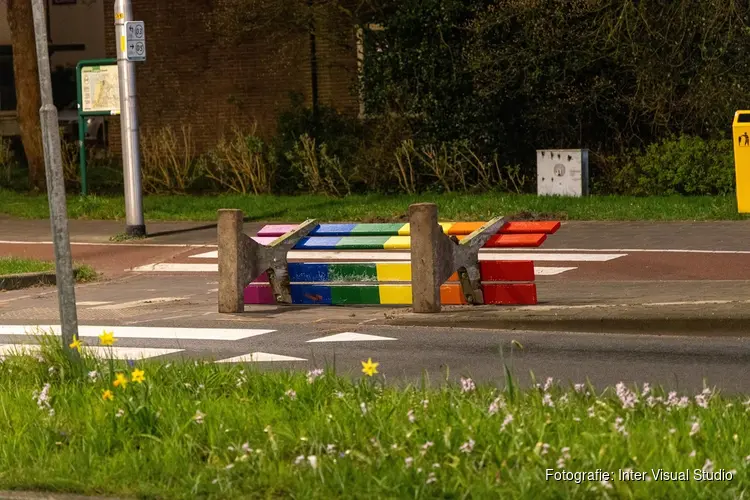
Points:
x=200 y=430
x=376 y=208
x=16 y=265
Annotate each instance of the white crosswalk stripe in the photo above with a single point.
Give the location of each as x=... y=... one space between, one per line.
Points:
x=121 y=353
x=140 y=332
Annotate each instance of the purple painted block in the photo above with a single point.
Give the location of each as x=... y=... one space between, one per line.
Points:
x=263 y=278
x=276 y=229
x=264 y=240
x=259 y=294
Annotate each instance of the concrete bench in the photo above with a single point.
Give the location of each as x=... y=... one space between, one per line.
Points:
x=363 y=277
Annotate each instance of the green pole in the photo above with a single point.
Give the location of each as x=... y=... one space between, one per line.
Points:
x=82 y=153
x=81 y=131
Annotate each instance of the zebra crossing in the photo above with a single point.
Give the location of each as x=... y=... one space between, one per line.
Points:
x=207 y=262
x=219 y=337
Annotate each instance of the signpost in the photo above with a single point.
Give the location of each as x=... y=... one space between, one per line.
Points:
x=98 y=91
x=130 y=33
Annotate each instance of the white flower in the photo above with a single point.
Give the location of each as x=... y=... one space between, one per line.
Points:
x=508 y=420
x=565 y=455
x=431 y=478
x=299 y=460
x=619 y=427
x=708 y=466
x=576 y=419
x=291 y=394
x=363 y=407
x=695 y=429
x=229 y=466
x=646 y=389
x=547 y=400
x=544 y=447
x=340 y=395
x=410 y=416
x=313 y=461
x=692 y=454
x=591 y=412
x=246 y=448
x=331 y=448
x=747 y=458
x=496 y=405
x=578 y=387
x=427 y=446
x=120 y=413
x=701 y=401
x=627 y=397
x=563 y=399
x=467 y=385
x=51 y=370
x=435 y=466
x=198 y=417
x=548 y=383
x=408 y=461
x=313 y=374
x=425 y=402
x=606 y=484
x=672 y=430
x=93 y=375
x=467 y=447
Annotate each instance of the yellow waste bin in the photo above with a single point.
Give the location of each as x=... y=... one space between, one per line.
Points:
x=741 y=134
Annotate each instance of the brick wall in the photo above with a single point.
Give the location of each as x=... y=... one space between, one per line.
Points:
x=189 y=78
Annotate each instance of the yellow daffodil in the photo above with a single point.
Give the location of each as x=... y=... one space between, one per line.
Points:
x=107 y=338
x=76 y=344
x=369 y=368
x=137 y=376
x=122 y=380
x=108 y=395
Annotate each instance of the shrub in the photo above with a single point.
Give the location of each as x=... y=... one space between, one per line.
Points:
x=241 y=163
x=7 y=162
x=169 y=162
x=321 y=172
x=687 y=165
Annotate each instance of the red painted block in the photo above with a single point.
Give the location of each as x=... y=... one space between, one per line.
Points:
x=503 y=270
x=259 y=294
x=513 y=240
x=516 y=294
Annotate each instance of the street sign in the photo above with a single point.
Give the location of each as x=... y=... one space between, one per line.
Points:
x=135 y=32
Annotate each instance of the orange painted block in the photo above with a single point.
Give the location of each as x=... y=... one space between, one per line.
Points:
x=516 y=294
x=451 y=295
x=465 y=228
x=500 y=270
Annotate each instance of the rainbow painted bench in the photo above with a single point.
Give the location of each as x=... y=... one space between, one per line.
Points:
x=344 y=264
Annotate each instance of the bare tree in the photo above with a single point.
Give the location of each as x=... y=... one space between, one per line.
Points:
x=28 y=97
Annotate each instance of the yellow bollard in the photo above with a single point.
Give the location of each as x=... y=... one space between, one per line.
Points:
x=741 y=135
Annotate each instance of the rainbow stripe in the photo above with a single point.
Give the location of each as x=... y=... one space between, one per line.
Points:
x=401 y=229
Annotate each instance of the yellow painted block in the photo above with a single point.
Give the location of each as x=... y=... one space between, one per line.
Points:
x=394 y=271
x=404 y=231
x=398 y=243
x=395 y=294
x=741 y=133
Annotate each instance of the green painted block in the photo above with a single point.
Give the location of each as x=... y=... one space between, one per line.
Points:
x=364 y=294
x=362 y=242
x=387 y=229
x=352 y=272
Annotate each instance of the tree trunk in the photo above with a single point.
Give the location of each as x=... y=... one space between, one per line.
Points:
x=28 y=97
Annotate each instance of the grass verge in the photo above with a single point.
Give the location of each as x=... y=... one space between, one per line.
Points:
x=377 y=208
x=198 y=430
x=16 y=265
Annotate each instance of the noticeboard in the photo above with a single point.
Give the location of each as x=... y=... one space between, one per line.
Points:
x=99 y=90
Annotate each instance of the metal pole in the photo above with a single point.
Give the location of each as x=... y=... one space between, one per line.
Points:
x=131 y=158
x=55 y=187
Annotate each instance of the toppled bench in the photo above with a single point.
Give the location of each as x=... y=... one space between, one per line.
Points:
x=344 y=264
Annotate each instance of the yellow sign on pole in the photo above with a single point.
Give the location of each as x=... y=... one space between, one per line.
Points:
x=741 y=135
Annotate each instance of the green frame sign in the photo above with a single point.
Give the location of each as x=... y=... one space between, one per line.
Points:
x=98 y=94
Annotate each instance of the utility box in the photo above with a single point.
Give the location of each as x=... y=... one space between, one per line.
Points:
x=741 y=134
x=562 y=172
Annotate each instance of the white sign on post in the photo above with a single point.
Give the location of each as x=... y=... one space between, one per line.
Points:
x=562 y=172
x=135 y=33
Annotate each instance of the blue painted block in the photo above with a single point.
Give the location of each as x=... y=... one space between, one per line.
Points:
x=305 y=272
x=318 y=243
x=311 y=294
x=333 y=230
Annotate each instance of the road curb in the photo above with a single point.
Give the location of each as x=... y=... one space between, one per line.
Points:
x=27 y=280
